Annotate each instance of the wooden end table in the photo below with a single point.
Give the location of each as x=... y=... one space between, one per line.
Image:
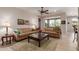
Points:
x=8 y=39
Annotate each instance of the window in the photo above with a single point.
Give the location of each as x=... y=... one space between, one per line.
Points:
x=58 y=22
x=53 y=22
x=46 y=23
x=75 y=21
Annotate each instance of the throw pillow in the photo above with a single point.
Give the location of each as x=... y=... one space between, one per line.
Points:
x=17 y=32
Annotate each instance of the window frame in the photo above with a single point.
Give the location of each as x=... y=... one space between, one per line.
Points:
x=48 y=20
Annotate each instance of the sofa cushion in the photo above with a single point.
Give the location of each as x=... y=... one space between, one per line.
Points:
x=25 y=30
x=53 y=32
x=56 y=29
x=17 y=32
x=48 y=29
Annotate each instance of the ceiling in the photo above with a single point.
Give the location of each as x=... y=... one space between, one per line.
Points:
x=70 y=11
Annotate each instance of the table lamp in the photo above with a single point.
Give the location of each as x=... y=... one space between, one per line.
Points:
x=33 y=27
x=6 y=24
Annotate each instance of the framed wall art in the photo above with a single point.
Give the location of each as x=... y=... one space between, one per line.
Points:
x=22 y=22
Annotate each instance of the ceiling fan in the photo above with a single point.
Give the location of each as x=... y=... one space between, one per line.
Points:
x=42 y=11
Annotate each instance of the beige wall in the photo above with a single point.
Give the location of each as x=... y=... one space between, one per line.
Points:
x=11 y=14
x=69 y=26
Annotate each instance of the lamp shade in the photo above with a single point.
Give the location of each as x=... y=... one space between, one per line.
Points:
x=33 y=26
x=6 y=24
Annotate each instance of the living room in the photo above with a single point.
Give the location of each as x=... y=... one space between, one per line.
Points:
x=20 y=20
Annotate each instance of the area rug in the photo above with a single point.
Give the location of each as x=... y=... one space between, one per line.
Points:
x=46 y=45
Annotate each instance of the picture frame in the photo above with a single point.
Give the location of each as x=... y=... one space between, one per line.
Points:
x=22 y=22
x=63 y=22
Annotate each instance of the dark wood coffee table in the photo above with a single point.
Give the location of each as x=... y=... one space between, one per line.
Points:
x=39 y=36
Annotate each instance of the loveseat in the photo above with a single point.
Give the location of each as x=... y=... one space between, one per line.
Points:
x=53 y=32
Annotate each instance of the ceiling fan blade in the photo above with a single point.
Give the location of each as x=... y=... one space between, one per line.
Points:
x=43 y=11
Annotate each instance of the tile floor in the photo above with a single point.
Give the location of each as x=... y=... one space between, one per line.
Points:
x=66 y=43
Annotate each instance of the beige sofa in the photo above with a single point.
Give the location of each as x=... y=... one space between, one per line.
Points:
x=24 y=32
x=53 y=32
